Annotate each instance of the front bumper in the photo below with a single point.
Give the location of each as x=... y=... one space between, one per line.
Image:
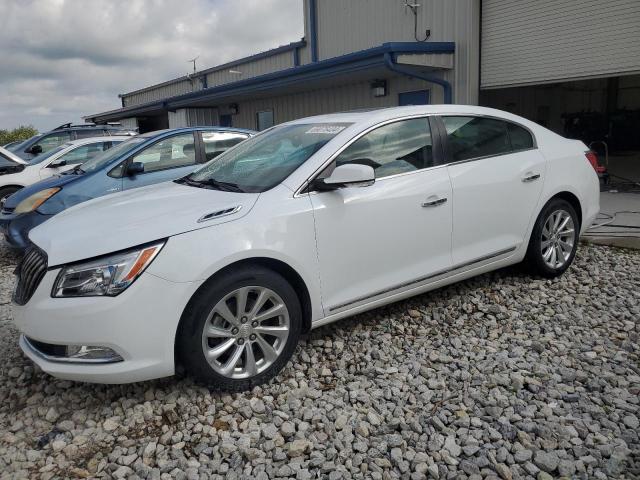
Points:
x=139 y=325
x=16 y=228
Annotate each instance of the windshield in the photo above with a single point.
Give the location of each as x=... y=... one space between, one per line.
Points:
x=104 y=158
x=43 y=156
x=262 y=162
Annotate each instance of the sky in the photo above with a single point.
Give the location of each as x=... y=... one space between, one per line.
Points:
x=62 y=59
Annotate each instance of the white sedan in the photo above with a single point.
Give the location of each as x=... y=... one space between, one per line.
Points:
x=218 y=274
x=16 y=173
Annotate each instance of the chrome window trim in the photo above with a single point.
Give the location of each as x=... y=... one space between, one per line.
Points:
x=354 y=139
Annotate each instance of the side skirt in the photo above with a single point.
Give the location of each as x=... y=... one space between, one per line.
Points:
x=439 y=279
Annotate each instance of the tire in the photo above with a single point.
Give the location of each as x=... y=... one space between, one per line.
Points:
x=6 y=192
x=545 y=239
x=236 y=337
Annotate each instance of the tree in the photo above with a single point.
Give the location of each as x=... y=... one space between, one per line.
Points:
x=17 y=134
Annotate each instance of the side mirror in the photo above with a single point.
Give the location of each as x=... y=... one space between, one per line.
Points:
x=135 y=168
x=349 y=175
x=59 y=164
x=35 y=150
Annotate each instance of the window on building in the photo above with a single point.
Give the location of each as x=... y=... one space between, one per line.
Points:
x=264 y=120
x=217 y=142
x=172 y=152
x=474 y=137
x=520 y=137
x=398 y=147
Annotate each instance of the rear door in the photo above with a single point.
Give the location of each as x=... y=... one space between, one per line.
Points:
x=167 y=159
x=496 y=175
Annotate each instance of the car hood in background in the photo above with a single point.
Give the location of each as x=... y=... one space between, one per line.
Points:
x=55 y=181
x=123 y=220
x=8 y=156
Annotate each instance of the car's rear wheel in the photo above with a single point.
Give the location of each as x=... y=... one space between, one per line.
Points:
x=554 y=239
x=5 y=193
x=240 y=329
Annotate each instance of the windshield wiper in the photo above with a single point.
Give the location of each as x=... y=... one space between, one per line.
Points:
x=212 y=183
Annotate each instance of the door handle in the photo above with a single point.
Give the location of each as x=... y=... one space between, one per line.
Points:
x=434 y=203
x=530 y=177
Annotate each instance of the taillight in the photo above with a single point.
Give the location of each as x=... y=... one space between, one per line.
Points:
x=592 y=157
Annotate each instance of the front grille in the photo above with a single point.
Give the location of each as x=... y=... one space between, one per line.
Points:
x=29 y=273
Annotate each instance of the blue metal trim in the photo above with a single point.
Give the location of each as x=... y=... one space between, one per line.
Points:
x=313 y=29
x=296 y=57
x=394 y=67
x=345 y=63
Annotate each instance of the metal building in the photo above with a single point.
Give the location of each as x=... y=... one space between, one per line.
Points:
x=573 y=65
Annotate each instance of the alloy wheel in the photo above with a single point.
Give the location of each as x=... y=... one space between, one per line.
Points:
x=245 y=332
x=558 y=239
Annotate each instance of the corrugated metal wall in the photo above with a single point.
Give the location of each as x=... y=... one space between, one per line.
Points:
x=335 y=99
x=270 y=64
x=193 y=117
x=525 y=42
x=129 y=123
x=348 y=26
x=165 y=91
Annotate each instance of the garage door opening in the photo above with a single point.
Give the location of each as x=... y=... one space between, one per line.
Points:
x=604 y=113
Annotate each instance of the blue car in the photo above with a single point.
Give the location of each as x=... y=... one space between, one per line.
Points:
x=143 y=160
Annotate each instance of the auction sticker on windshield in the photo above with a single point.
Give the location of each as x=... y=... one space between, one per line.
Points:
x=328 y=129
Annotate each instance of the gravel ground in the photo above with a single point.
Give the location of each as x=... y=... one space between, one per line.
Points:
x=502 y=376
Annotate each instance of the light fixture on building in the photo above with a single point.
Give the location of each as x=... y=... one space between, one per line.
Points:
x=235 y=72
x=233 y=109
x=379 y=88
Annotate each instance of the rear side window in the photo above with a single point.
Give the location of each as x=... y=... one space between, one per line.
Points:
x=520 y=137
x=474 y=137
x=217 y=142
x=398 y=147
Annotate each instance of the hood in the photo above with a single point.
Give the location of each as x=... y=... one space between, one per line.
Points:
x=8 y=158
x=123 y=220
x=55 y=181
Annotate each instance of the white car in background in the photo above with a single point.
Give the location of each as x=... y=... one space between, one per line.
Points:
x=16 y=173
x=219 y=273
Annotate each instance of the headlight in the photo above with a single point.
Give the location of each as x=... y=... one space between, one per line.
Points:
x=106 y=276
x=32 y=202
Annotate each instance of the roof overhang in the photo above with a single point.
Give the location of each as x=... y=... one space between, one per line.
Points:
x=352 y=67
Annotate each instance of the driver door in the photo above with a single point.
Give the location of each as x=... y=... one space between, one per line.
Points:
x=391 y=236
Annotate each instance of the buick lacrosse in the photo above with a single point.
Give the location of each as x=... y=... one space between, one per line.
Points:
x=219 y=273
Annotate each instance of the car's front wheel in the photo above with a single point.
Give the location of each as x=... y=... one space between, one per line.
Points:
x=240 y=329
x=554 y=239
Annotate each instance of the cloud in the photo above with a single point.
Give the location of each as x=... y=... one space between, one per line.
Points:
x=62 y=59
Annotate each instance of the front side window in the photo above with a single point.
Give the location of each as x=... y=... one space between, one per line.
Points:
x=83 y=153
x=172 y=152
x=264 y=120
x=398 y=147
x=263 y=161
x=52 y=141
x=108 y=156
x=217 y=142
x=474 y=137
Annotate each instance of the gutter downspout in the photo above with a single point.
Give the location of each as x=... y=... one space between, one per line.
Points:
x=394 y=67
x=313 y=29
